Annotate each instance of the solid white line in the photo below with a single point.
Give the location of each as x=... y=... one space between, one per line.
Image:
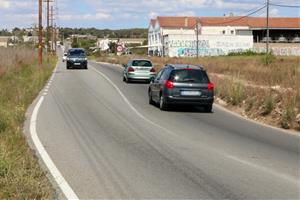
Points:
x=291 y=132
x=264 y=169
x=130 y=105
x=58 y=177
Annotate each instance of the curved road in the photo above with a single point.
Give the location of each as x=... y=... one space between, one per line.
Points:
x=108 y=143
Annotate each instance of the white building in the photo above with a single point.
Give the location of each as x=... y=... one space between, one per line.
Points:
x=4 y=41
x=229 y=31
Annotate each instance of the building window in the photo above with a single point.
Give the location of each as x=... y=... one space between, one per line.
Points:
x=232 y=32
x=223 y=32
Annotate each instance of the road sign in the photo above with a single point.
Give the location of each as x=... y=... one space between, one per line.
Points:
x=119 y=48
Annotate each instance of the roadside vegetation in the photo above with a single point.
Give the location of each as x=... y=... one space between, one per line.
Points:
x=21 y=79
x=246 y=84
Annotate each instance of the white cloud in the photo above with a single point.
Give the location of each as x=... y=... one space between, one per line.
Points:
x=5 y=4
x=135 y=13
x=274 y=12
x=97 y=16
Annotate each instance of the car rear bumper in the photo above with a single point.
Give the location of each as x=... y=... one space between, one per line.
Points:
x=82 y=64
x=189 y=100
x=140 y=76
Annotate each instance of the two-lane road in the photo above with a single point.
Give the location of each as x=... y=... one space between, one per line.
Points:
x=108 y=143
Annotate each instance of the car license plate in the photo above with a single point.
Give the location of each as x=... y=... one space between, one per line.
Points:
x=190 y=93
x=76 y=63
x=142 y=68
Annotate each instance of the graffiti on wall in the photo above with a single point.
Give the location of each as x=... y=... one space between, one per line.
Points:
x=188 y=43
x=280 y=51
x=209 y=46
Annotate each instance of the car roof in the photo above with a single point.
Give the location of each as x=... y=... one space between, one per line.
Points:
x=76 y=49
x=184 y=66
x=140 y=59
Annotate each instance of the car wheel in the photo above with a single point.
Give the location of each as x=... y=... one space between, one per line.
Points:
x=208 y=108
x=162 y=103
x=128 y=80
x=151 y=102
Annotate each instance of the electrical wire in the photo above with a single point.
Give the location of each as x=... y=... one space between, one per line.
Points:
x=239 y=18
x=285 y=6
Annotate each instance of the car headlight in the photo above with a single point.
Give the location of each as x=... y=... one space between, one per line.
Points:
x=85 y=59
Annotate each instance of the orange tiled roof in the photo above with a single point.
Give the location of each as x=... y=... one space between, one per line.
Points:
x=252 y=22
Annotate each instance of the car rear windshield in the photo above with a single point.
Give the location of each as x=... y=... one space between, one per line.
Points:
x=76 y=52
x=142 y=63
x=189 y=76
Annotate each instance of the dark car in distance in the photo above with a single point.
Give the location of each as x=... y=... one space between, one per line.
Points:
x=180 y=84
x=76 y=58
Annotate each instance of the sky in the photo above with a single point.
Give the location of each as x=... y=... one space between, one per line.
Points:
x=116 y=14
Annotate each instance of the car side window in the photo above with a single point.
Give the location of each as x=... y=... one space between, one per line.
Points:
x=159 y=74
x=165 y=74
x=128 y=64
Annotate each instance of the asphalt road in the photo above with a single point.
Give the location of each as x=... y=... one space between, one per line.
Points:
x=106 y=148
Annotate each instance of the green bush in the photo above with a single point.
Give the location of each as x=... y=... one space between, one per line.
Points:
x=287 y=117
x=246 y=53
x=268 y=105
x=237 y=94
x=269 y=58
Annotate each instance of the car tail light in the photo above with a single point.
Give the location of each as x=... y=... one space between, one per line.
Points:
x=169 y=84
x=210 y=86
x=130 y=69
x=152 y=70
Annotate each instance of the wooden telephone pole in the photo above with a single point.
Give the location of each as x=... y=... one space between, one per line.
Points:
x=268 y=28
x=52 y=27
x=197 y=36
x=48 y=28
x=40 y=47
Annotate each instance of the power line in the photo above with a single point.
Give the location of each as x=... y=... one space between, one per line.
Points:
x=239 y=18
x=233 y=20
x=285 y=6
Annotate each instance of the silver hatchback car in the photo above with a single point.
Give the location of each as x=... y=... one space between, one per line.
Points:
x=138 y=69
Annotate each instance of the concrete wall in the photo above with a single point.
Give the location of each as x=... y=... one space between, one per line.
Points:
x=280 y=49
x=222 y=30
x=209 y=45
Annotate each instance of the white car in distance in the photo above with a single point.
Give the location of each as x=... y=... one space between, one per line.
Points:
x=64 y=58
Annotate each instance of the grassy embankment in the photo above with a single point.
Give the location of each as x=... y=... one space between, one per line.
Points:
x=21 y=79
x=245 y=84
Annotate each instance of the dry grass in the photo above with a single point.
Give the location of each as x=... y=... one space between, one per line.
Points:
x=269 y=93
x=12 y=58
x=20 y=174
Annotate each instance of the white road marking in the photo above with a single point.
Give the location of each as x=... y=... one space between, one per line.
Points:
x=264 y=169
x=292 y=132
x=130 y=105
x=58 y=177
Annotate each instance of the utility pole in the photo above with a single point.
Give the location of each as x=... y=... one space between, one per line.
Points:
x=40 y=48
x=48 y=28
x=197 y=37
x=52 y=28
x=268 y=29
x=55 y=37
